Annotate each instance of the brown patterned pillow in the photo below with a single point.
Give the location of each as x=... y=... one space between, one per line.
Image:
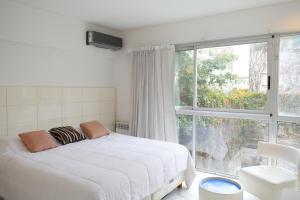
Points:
x=66 y=134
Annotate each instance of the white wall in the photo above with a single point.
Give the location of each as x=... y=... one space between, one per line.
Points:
x=38 y=47
x=271 y=19
x=277 y=18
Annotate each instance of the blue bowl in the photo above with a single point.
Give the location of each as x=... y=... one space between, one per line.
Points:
x=221 y=185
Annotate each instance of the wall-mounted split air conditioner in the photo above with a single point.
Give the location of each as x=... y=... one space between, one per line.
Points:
x=102 y=40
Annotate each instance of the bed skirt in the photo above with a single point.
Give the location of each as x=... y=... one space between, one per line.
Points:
x=166 y=189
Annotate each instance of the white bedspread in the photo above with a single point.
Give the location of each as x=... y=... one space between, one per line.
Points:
x=114 y=167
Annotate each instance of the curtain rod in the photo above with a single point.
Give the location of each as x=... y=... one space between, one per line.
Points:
x=150 y=47
x=224 y=41
x=191 y=45
x=234 y=40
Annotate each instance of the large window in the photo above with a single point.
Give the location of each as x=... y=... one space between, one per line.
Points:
x=232 y=94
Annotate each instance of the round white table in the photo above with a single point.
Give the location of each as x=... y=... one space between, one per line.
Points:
x=217 y=188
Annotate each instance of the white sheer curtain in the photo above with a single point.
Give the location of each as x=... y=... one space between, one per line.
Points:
x=153 y=109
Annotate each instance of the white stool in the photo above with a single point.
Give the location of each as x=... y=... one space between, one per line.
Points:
x=290 y=195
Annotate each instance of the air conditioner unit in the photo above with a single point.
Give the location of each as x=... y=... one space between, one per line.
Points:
x=102 y=40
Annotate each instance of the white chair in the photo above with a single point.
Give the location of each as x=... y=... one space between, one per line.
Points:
x=290 y=195
x=267 y=182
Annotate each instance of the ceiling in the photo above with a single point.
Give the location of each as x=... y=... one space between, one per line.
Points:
x=128 y=14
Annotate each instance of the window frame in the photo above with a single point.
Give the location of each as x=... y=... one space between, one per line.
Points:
x=221 y=43
x=270 y=114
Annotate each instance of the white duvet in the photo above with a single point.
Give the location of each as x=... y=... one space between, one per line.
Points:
x=114 y=167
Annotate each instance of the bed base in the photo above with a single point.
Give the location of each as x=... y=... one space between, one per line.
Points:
x=166 y=189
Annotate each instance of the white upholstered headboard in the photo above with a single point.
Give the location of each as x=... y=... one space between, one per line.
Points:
x=41 y=108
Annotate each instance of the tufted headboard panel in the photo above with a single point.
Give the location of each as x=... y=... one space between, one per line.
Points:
x=41 y=108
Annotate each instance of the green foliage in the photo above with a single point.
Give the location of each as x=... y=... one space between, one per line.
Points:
x=212 y=98
x=185 y=78
x=210 y=71
x=245 y=99
x=185 y=122
x=213 y=78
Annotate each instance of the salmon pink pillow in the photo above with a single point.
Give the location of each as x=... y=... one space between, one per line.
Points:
x=93 y=129
x=36 y=141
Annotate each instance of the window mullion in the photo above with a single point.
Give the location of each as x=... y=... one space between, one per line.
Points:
x=194 y=101
x=195 y=80
x=274 y=72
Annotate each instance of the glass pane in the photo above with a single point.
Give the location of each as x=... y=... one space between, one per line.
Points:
x=185 y=130
x=184 y=78
x=225 y=145
x=289 y=73
x=233 y=77
x=289 y=134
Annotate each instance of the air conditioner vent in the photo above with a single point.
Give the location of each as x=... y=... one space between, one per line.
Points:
x=102 y=40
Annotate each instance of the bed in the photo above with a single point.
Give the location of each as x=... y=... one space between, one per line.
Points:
x=113 y=167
